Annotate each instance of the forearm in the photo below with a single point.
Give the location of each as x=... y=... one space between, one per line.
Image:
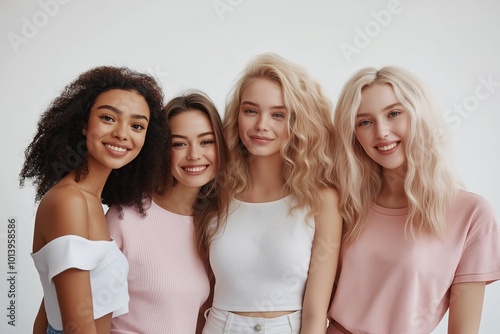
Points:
x=41 y=323
x=74 y=295
x=466 y=305
x=312 y=324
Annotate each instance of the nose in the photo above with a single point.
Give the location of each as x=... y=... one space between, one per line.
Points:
x=193 y=153
x=261 y=123
x=120 y=131
x=382 y=130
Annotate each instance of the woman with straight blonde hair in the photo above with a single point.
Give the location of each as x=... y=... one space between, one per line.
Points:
x=274 y=258
x=415 y=243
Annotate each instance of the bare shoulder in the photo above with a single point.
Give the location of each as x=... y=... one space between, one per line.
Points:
x=62 y=198
x=63 y=211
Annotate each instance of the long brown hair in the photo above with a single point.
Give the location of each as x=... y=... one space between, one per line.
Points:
x=212 y=201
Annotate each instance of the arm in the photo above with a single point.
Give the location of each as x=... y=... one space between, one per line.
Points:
x=323 y=265
x=41 y=323
x=466 y=305
x=65 y=212
x=208 y=303
x=75 y=301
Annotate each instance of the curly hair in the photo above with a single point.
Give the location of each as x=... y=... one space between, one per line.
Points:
x=430 y=182
x=212 y=200
x=307 y=153
x=59 y=145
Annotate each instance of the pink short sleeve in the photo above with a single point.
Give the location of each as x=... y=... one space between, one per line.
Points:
x=479 y=261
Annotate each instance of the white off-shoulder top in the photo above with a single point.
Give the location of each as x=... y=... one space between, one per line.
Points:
x=108 y=269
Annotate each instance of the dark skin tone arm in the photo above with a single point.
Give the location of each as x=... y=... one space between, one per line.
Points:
x=40 y=325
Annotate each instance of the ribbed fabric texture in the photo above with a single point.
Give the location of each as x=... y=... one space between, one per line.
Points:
x=167 y=281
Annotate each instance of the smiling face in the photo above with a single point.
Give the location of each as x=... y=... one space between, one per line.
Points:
x=262 y=119
x=116 y=129
x=382 y=125
x=194 y=149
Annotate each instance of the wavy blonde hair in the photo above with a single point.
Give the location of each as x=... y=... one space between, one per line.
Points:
x=308 y=152
x=430 y=183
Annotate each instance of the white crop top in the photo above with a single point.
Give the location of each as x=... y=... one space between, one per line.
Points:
x=108 y=274
x=260 y=257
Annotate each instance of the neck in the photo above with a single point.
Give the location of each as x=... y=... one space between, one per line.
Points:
x=93 y=183
x=267 y=179
x=178 y=199
x=392 y=192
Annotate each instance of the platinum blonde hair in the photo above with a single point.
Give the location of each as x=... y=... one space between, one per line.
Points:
x=430 y=182
x=307 y=154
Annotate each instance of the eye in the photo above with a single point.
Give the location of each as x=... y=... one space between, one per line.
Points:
x=250 y=111
x=178 y=144
x=364 y=123
x=279 y=115
x=394 y=113
x=107 y=118
x=208 y=142
x=138 y=127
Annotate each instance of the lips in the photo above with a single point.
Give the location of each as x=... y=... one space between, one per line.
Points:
x=387 y=147
x=195 y=169
x=260 y=138
x=116 y=148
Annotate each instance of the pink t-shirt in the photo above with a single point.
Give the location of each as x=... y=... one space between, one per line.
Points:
x=167 y=280
x=391 y=284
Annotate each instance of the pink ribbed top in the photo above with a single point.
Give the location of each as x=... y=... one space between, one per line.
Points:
x=167 y=280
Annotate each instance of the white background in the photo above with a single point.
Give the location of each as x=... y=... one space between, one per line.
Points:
x=452 y=45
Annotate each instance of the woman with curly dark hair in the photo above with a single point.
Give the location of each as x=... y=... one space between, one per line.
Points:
x=95 y=144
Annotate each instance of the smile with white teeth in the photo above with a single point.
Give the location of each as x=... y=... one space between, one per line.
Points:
x=387 y=148
x=195 y=169
x=116 y=148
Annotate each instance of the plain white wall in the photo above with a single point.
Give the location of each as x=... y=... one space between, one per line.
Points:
x=452 y=45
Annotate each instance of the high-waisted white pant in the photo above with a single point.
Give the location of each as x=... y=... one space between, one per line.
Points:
x=224 y=322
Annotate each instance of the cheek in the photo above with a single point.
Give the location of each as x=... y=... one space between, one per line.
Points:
x=90 y=139
x=404 y=126
x=361 y=137
x=139 y=139
x=175 y=158
x=174 y=165
x=404 y=129
x=213 y=156
x=241 y=126
x=281 y=130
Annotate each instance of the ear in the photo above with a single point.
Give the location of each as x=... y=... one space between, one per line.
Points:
x=84 y=131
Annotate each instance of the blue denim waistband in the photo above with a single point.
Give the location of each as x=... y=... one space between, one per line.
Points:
x=51 y=330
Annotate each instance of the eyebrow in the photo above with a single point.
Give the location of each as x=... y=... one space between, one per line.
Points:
x=208 y=133
x=118 y=111
x=389 y=107
x=256 y=105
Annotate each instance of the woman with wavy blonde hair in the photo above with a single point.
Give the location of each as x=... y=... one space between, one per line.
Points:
x=275 y=258
x=414 y=242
